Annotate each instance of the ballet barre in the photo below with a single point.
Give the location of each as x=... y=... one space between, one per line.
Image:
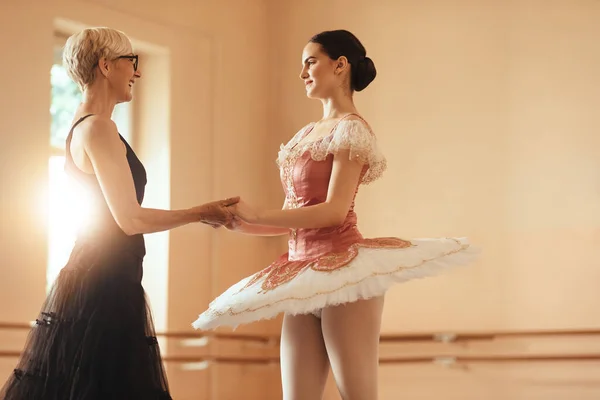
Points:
x=453 y=337
x=441 y=360
x=452 y=359
x=438 y=337
x=247 y=337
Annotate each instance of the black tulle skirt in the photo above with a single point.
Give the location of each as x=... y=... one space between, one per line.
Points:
x=94 y=338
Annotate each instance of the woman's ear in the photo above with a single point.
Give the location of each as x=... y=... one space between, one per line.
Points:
x=341 y=64
x=104 y=66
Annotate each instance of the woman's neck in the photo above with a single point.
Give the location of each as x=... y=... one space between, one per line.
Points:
x=98 y=102
x=338 y=106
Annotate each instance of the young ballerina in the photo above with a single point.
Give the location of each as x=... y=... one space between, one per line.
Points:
x=94 y=338
x=331 y=284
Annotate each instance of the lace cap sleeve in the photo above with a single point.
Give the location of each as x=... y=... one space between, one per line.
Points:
x=353 y=135
x=357 y=137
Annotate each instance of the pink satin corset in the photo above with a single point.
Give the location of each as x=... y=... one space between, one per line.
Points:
x=306 y=182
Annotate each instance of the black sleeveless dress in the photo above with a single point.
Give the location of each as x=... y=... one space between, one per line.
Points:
x=94 y=338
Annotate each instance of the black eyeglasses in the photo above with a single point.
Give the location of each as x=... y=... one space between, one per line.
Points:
x=134 y=59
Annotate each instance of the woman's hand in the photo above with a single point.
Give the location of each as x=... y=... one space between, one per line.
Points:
x=216 y=213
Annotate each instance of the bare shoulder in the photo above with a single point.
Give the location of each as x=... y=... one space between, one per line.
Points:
x=97 y=125
x=98 y=131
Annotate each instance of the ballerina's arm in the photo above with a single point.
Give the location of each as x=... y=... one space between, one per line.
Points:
x=241 y=226
x=344 y=179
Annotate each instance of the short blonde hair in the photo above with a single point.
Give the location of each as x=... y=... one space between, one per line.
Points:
x=83 y=50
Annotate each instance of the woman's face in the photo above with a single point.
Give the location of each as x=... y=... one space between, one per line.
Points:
x=319 y=72
x=123 y=75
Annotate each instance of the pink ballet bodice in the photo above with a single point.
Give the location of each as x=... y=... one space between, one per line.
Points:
x=306 y=182
x=305 y=169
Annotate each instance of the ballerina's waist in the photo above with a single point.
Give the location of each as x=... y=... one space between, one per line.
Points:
x=310 y=243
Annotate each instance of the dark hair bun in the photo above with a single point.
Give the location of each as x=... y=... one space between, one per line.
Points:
x=343 y=43
x=363 y=74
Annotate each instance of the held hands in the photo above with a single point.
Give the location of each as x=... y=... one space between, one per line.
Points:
x=216 y=213
x=235 y=224
x=231 y=213
x=242 y=211
x=243 y=214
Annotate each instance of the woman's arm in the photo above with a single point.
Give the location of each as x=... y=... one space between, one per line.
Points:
x=105 y=151
x=345 y=177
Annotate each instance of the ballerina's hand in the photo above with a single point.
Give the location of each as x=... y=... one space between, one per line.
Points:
x=234 y=224
x=245 y=212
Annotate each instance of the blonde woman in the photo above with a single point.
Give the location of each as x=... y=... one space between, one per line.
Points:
x=94 y=338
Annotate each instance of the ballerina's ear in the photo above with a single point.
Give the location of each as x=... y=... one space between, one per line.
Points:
x=341 y=65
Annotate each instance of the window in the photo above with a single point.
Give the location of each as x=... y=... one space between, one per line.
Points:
x=64 y=208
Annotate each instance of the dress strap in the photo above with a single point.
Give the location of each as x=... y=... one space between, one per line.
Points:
x=70 y=135
x=352 y=115
x=80 y=120
x=69 y=163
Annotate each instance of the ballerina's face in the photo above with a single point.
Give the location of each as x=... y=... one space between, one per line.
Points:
x=318 y=72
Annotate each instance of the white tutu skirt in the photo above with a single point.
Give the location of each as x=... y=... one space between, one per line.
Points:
x=365 y=270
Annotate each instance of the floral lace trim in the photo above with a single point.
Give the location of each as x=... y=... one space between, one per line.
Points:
x=283 y=270
x=214 y=313
x=353 y=135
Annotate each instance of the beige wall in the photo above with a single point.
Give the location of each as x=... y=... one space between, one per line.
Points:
x=486 y=113
x=485 y=110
